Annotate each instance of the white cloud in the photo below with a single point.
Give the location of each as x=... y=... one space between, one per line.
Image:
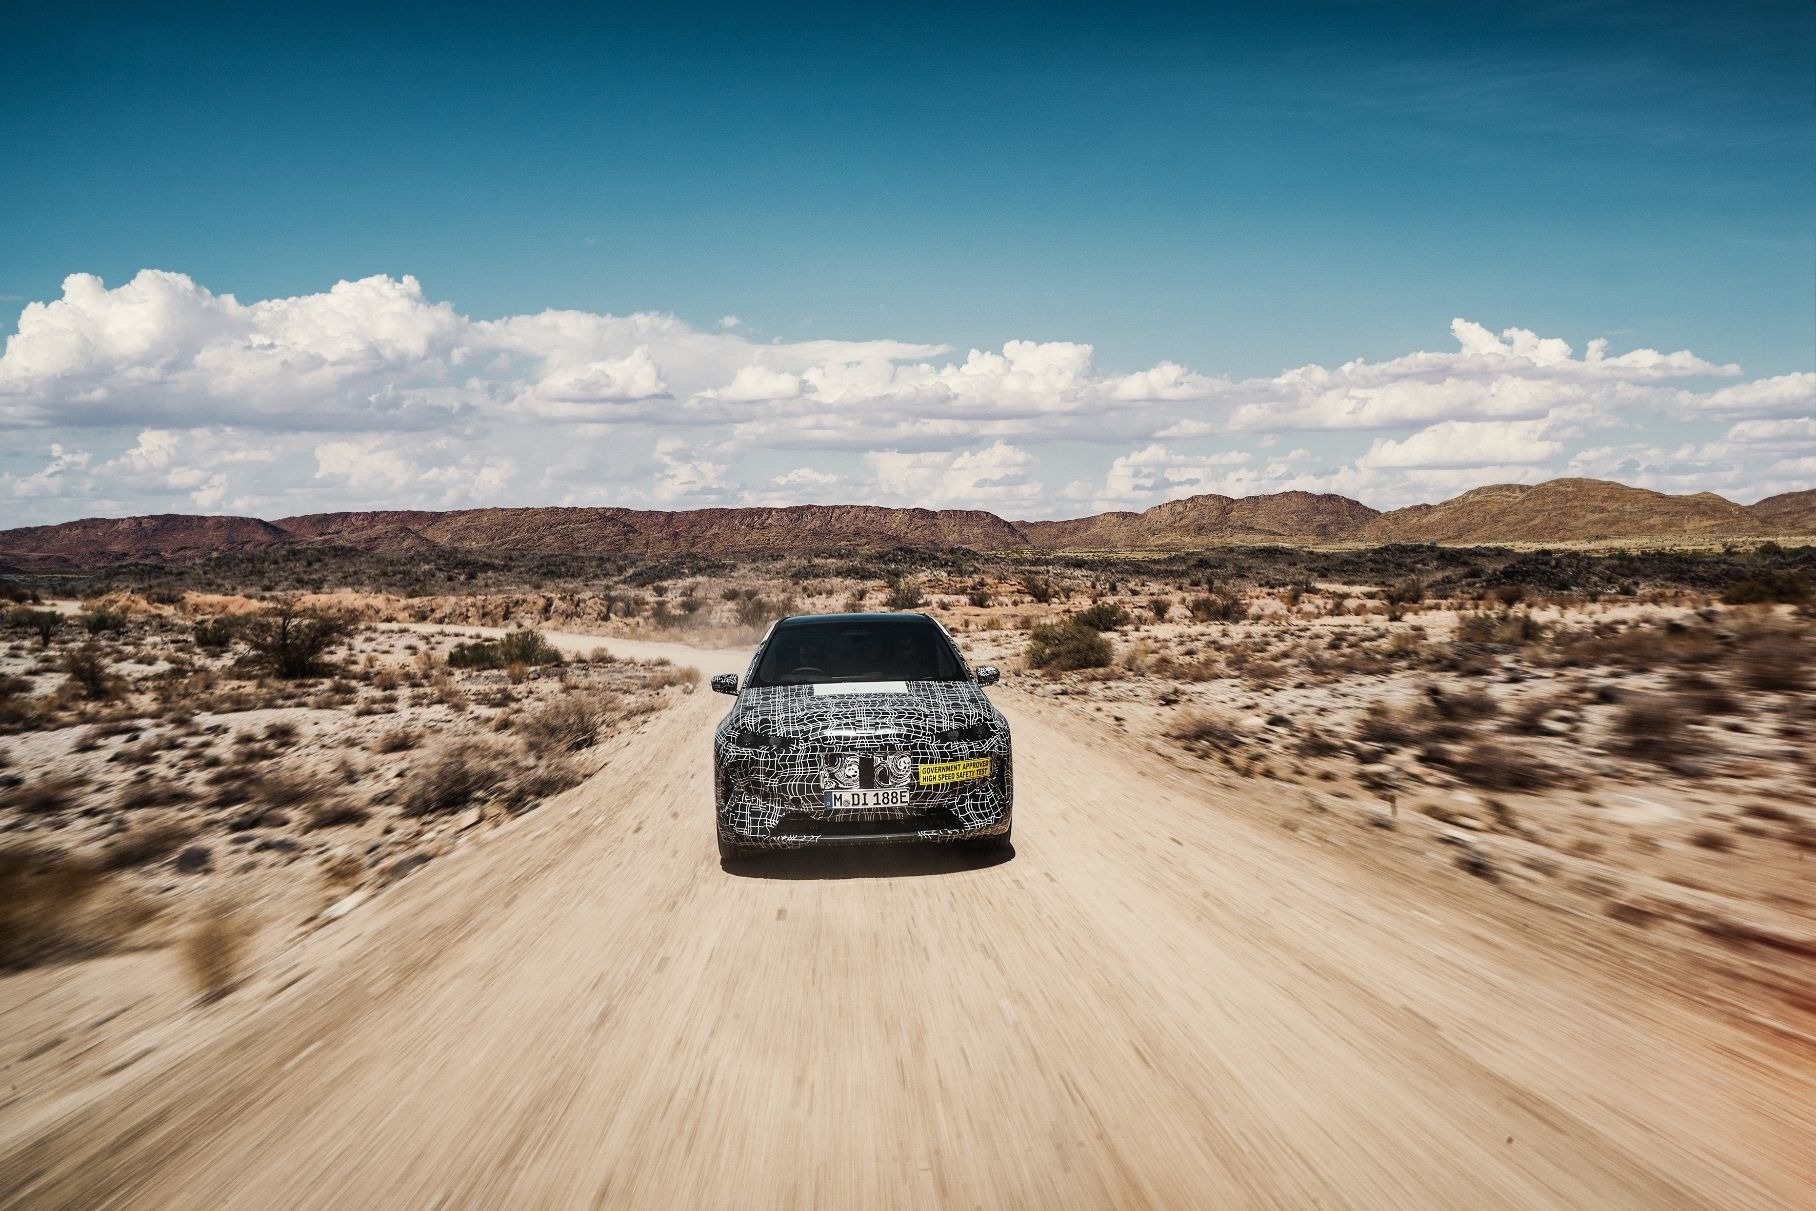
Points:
x=1785 y=395
x=1454 y=443
x=997 y=475
x=158 y=394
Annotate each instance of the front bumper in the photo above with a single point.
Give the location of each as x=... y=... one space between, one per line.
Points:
x=773 y=804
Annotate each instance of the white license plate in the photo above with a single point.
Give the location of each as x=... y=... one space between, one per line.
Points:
x=864 y=800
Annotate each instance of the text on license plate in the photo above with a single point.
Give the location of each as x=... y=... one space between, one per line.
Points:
x=848 y=800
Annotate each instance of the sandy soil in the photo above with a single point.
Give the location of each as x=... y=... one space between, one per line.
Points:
x=1159 y=1000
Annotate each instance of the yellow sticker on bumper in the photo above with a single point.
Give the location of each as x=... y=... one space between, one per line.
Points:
x=947 y=772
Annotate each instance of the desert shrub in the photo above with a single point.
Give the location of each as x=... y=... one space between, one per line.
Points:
x=1410 y=591
x=146 y=843
x=1040 y=589
x=397 y=740
x=905 y=595
x=1195 y=727
x=1768 y=587
x=43 y=623
x=1217 y=608
x=1507 y=594
x=42 y=896
x=1494 y=766
x=1067 y=645
x=335 y=811
x=1705 y=696
x=292 y=641
x=524 y=646
x=454 y=777
x=565 y=725
x=753 y=611
x=1776 y=660
x=1381 y=724
x=978 y=596
x=662 y=673
x=90 y=671
x=1500 y=630
x=104 y=622
x=1652 y=727
x=53 y=793
x=540 y=780
x=215 y=634
x=142 y=792
x=1160 y=607
x=214 y=949
x=1103 y=616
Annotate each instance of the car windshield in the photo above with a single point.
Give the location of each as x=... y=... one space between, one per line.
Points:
x=815 y=651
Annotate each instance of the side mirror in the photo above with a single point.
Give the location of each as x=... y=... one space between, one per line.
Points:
x=725 y=683
x=988 y=674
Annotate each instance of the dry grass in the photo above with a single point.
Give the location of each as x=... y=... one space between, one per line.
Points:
x=1196 y=728
x=1653 y=728
x=1494 y=766
x=397 y=740
x=46 y=795
x=455 y=776
x=151 y=841
x=566 y=724
x=214 y=948
x=1777 y=660
x=43 y=895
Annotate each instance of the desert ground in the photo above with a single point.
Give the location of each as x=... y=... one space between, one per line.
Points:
x=1391 y=879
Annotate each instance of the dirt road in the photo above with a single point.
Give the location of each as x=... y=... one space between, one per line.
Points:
x=1152 y=1003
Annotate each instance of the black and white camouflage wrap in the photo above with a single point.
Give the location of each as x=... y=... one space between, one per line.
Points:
x=781 y=748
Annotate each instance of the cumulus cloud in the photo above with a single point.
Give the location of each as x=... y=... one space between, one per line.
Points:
x=995 y=476
x=160 y=393
x=1455 y=443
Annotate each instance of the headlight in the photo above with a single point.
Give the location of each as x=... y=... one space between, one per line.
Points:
x=746 y=737
x=977 y=731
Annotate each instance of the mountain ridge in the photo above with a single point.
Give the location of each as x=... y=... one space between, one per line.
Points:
x=1559 y=510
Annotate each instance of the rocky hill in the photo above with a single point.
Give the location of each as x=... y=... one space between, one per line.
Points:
x=1204 y=520
x=160 y=538
x=1563 y=510
x=1787 y=513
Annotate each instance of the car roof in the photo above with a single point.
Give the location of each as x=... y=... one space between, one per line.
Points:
x=798 y=620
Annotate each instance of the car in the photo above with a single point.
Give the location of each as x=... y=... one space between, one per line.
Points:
x=860 y=729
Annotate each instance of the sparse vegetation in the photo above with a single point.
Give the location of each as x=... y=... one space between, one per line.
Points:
x=523 y=647
x=293 y=640
x=1060 y=647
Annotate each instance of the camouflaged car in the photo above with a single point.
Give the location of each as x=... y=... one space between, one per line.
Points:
x=860 y=729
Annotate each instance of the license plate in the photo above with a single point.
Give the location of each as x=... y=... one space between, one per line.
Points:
x=865 y=800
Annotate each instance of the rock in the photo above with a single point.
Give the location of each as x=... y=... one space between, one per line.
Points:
x=404 y=866
x=1557 y=723
x=343 y=906
x=194 y=859
x=279 y=844
x=1378 y=772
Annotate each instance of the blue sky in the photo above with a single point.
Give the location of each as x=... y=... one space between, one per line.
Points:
x=1237 y=192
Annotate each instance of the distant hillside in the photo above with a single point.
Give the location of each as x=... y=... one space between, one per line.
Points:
x=1787 y=513
x=162 y=537
x=1205 y=520
x=1563 y=510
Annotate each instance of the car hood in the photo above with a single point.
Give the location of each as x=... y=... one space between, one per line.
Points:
x=805 y=712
